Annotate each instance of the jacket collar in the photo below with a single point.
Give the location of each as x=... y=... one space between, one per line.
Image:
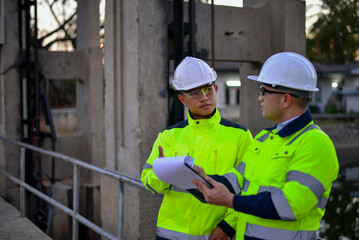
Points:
x=215 y=119
x=293 y=127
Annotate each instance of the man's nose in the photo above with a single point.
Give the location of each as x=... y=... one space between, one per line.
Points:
x=260 y=98
x=203 y=95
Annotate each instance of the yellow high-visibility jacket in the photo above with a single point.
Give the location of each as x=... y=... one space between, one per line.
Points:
x=217 y=145
x=283 y=184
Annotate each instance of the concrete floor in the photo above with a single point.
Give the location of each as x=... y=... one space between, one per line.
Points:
x=12 y=226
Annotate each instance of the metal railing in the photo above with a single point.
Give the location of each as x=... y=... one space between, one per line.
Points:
x=74 y=212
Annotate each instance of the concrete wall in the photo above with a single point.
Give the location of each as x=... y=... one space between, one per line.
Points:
x=135 y=103
x=9 y=94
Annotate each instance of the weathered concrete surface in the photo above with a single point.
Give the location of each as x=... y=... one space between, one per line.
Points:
x=15 y=227
x=135 y=105
x=10 y=94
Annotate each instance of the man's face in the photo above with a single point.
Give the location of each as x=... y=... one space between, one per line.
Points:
x=201 y=101
x=271 y=103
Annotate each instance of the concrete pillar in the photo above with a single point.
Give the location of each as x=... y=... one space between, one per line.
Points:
x=287 y=33
x=135 y=106
x=250 y=111
x=90 y=100
x=288 y=26
x=9 y=93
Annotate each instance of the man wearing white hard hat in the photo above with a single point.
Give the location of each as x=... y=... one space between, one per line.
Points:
x=215 y=143
x=281 y=187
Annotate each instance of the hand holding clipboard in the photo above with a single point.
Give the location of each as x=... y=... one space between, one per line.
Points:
x=178 y=171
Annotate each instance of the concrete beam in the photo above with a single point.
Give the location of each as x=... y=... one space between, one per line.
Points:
x=241 y=34
x=62 y=65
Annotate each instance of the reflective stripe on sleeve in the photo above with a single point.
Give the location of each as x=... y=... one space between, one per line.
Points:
x=149 y=187
x=280 y=202
x=262 y=232
x=233 y=180
x=282 y=206
x=322 y=202
x=146 y=165
x=240 y=168
x=171 y=234
x=245 y=184
x=177 y=189
x=307 y=180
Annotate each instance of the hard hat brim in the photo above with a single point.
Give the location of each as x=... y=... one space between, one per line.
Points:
x=192 y=86
x=256 y=78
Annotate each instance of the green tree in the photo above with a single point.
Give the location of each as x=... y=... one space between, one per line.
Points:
x=334 y=37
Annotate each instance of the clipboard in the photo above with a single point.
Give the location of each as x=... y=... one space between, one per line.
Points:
x=178 y=171
x=195 y=192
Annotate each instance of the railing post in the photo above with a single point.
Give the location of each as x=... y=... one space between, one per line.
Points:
x=121 y=208
x=75 y=203
x=22 y=178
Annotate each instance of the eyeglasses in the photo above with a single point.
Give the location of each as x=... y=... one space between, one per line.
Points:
x=197 y=92
x=263 y=91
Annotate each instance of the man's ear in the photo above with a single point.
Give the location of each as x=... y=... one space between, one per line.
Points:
x=181 y=98
x=216 y=88
x=287 y=100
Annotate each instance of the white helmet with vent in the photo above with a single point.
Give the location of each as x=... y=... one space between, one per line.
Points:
x=290 y=70
x=191 y=73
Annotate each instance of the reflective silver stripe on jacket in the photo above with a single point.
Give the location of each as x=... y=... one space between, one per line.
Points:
x=280 y=202
x=171 y=234
x=233 y=180
x=322 y=202
x=146 y=165
x=282 y=206
x=177 y=189
x=245 y=184
x=149 y=187
x=240 y=168
x=310 y=127
x=263 y=138
x=268 y=233
x=312 y=183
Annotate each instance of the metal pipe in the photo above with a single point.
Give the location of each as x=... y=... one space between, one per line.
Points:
x=192 y=50
x=37 y=85
x=212 y=34
x=20 y=69
x=176 y=110
x=28 y=71
x=75 y=202
x=121 y=209
x=22 y=177
x=80 y=163
x=70 y=212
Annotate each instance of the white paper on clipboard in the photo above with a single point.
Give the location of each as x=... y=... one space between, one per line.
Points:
x=177 y=171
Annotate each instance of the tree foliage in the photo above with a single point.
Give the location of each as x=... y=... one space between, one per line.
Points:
x=335 y=35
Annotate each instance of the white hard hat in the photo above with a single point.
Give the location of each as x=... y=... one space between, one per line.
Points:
x=290 y=70
x=191 y=73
